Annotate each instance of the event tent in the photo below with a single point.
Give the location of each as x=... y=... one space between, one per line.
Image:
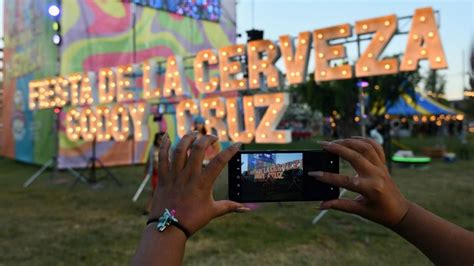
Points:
x=420 y=105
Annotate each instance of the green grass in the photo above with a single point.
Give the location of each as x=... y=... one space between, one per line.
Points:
x=51 y=224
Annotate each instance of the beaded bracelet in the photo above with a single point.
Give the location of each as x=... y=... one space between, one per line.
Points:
x=167 y=219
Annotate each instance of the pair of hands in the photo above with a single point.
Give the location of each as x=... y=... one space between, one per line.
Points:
x=187 y=187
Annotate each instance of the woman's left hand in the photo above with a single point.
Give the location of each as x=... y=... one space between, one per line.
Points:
x=186 y=187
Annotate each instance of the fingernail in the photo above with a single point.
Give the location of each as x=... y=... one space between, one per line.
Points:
x=323 y=206
x=242 y=209
x=357 y=137
x=237 y=145
x=316 y=174
x=324 y=143
x=338 y=141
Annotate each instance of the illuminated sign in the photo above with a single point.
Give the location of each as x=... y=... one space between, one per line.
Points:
x=236 y=118
x=201 y=9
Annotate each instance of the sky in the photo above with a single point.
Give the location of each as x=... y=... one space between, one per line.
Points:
x=278 y=17
x=280 y=158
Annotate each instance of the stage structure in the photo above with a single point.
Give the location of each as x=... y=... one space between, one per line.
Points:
x=115 y=72
x=94 y=35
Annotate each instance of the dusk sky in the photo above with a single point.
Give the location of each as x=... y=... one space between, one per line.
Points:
x=278 y=17
x=280 y=158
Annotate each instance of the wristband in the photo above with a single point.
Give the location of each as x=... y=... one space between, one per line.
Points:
x=167 y=219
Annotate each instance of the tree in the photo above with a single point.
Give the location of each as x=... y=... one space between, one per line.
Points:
x=384 y=91
x=339 y=98
x=434 y=84
x=335 y=99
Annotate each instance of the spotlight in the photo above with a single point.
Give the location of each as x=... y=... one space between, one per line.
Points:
x=362 y=84
x=254 y=34
x=53 y=10
x=56 y=26
x=56 y=39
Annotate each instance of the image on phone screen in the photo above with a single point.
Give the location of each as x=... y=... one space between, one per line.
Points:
x=280 y=176
x=277 y=175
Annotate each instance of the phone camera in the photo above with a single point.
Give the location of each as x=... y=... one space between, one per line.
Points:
x=331 y=162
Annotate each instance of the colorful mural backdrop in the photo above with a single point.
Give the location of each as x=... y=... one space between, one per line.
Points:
x=28 y=55
x=98 y=34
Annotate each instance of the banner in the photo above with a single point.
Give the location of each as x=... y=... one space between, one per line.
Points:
x=100 y=34
x=28 y=55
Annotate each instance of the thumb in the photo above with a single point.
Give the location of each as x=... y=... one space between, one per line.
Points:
x=344 y=205
x=223 y=207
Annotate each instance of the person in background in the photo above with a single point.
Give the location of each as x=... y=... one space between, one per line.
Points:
x=375 y=133
x=152 y=167
x=212 y=150
x=184 y=203
x=464 y=147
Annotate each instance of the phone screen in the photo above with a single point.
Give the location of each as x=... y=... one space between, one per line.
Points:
x=280 y=176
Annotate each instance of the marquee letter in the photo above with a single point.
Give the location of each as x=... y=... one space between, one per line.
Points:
x=230 y=68
x=384 y=28
x=185 y=110
x=174 y=79
x=296 y=63
x=235 y=116
x=150 y=87
x=73 y=130
x=266 y=131
x=203 y=60
x=85 y=94
x=88 y=123
x=61 y=92
x=38 y=95
x=120 y=123
x=104 y=124
x=213 y=110
x=262 y=55
x=107 y=85
x=123 y=83
x=325 y=52
x=139 y=114
x=423 y=42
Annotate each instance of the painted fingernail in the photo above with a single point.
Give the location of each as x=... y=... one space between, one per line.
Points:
x=316 y=174
x=324 y=206
x=324 y=143
x=242 y=209
x=237 y=145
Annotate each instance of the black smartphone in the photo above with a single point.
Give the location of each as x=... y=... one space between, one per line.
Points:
x=268 y=176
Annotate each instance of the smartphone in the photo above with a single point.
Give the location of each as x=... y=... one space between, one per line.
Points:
x=269 y=176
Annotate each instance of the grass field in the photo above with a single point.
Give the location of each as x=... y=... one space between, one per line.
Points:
x=51 y=224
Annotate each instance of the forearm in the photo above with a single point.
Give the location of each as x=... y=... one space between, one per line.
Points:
x=442 y=242
x=160 y=248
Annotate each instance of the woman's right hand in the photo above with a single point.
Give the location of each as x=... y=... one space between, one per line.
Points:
x=380 y=199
